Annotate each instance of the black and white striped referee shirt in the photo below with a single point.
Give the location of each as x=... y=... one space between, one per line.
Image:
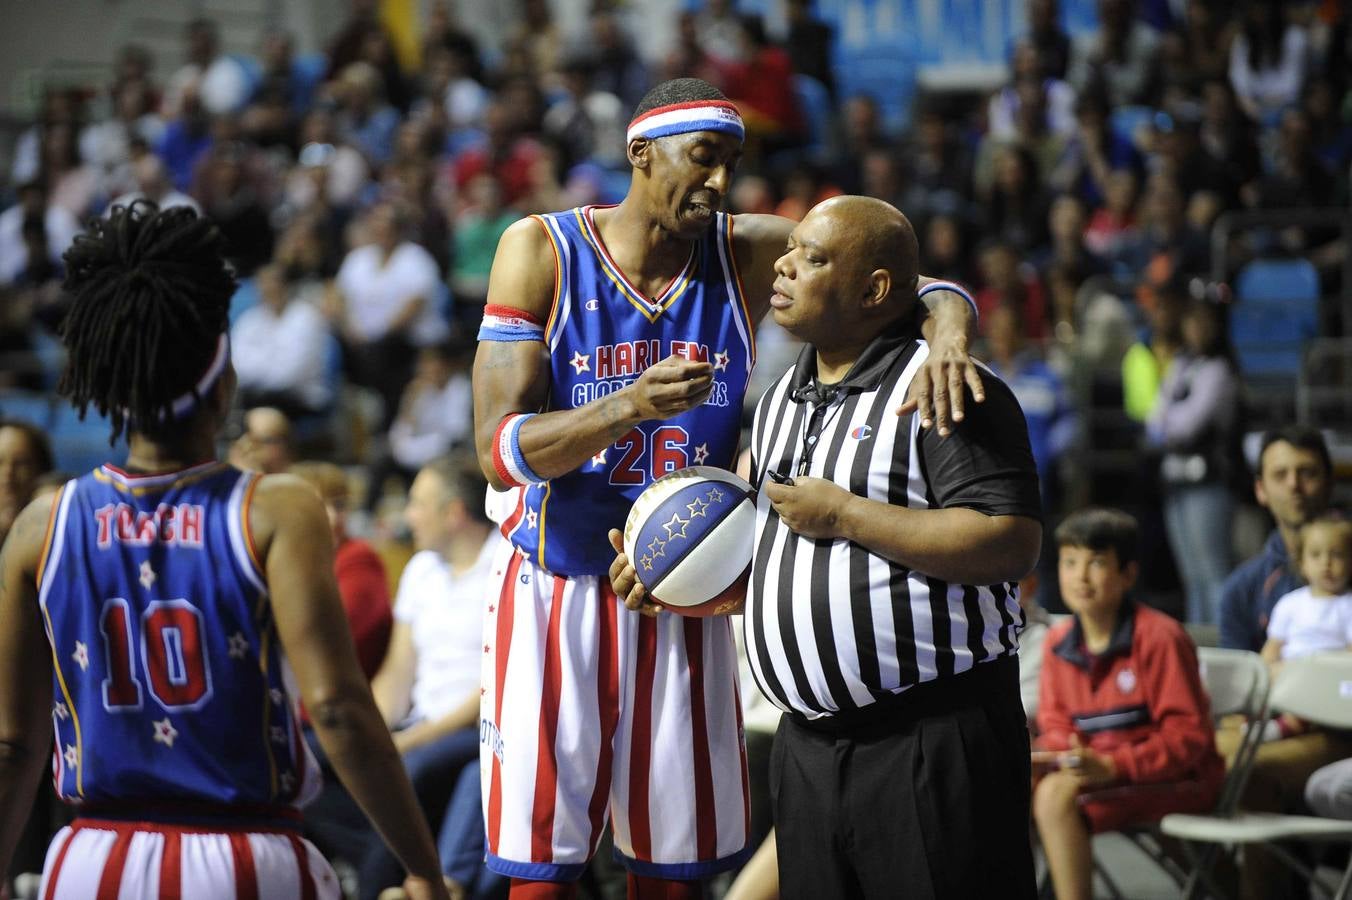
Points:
x=831 y=626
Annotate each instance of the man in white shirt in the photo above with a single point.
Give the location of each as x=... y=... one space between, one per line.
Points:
x=279 y=348
x=389 y=290
x=428 y=686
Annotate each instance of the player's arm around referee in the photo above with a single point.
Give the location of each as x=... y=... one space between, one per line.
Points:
x=881 y=613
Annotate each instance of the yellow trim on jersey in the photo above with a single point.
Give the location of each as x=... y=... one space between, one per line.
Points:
x=100 y=475
x=650 y=311
x=738 y=287
x=65 y=694
x=558 y=278
x=245 y=533
x=544 y=503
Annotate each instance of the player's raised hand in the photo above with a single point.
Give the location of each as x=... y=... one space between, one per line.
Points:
x=671 y=387
x=624 y=580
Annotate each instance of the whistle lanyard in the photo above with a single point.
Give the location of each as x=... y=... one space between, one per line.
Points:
x=816 y=423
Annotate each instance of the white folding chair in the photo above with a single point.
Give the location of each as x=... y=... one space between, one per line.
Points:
x=1319 y=690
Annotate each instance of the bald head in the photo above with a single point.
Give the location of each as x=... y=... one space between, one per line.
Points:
x=881 y=236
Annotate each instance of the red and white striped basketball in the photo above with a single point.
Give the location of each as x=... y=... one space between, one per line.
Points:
x=689 y=538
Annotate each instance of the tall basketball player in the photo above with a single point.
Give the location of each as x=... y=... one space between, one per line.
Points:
x=616 y=347
x=160 y=616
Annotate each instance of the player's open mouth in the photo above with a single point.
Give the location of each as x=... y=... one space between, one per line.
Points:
x=779 y=299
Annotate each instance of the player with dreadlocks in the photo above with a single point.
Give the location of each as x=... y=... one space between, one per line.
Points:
x=160 y=616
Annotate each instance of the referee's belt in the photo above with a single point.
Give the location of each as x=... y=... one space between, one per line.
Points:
x=975 y=687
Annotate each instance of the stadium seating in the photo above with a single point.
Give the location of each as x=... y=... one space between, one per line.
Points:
x=1275 y=314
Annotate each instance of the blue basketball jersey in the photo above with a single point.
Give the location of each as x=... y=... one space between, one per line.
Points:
x=602 y=333
x=170 y=686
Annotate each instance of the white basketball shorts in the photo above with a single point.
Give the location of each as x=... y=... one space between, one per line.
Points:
x=102 y=859
x=589 y=709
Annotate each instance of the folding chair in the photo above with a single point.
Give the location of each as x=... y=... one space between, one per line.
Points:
x=1237 y=682
x=1319 y=690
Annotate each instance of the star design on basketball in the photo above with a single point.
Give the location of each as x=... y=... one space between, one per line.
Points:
x=81 y=655
x=715 y=495
x=278 y=734
x=676 y=527
x=288 y=781
x=721 y=360
x=656 y=547
x=599 y=459
x=697 y=508
x=276 y=696
x=647 y=563
x=581 y=362
x=61 y=711
x=701 y=454
x=165 y=732
x=147 y=575
x=239 y=645
x=72 y=756
x=532 y=518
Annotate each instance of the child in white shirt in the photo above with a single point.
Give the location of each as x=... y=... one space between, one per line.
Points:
x=1316 y=618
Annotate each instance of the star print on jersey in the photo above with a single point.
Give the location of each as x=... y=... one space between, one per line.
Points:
x=147 y=575
x=165 y=732
x=278 y=734
x=701 y=454
x=81 y=655
x=697 y=508
x=288 y=781
x=61 y=711
x=581 y=362
x=276 y=696
x=72 y=756
x=599 y=459
x=239 y=645
x=721 y=360
x=532 y=518
x=676 y=527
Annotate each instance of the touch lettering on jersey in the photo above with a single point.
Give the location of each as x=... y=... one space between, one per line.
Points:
x=173 y=526
x=632 y=357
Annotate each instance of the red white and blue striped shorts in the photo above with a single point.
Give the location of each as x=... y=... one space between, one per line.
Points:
x=103 y=859
x=589 y=710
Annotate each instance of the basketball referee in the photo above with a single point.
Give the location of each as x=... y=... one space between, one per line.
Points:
x=881 y=614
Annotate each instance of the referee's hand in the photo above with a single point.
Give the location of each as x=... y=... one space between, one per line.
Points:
x=624 y=580
x=936 y=391
x=812 y=507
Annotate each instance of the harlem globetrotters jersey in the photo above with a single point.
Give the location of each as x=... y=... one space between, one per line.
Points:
x=171 y=690
x=602 y=333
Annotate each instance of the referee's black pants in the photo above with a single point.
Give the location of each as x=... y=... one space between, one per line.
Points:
x=926 y=799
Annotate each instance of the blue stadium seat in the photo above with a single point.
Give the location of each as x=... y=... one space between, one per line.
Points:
x=1276 y=313
x=885 y=73
x=245 y=298
x=80 y=446
x=26 y=406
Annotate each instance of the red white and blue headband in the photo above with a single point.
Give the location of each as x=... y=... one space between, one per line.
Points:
x=684 y=118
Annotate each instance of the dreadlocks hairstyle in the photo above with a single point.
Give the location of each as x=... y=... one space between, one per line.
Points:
x=678 y=90
x=150 y=297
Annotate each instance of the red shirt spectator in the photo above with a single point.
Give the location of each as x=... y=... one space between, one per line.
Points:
x=366 y=600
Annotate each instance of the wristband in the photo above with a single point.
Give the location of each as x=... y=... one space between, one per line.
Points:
x=955 y=288
x=508 y=460
x=505 y=323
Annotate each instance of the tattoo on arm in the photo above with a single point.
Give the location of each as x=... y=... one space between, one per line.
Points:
x=612 y=414
x=499 y=356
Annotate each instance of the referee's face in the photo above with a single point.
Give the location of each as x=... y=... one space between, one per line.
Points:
x=813 y=278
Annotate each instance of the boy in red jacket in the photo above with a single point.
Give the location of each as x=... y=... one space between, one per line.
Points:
x=1125 y=731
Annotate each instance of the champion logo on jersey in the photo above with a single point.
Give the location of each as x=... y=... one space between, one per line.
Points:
x=862 y=433
x=592 y=305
